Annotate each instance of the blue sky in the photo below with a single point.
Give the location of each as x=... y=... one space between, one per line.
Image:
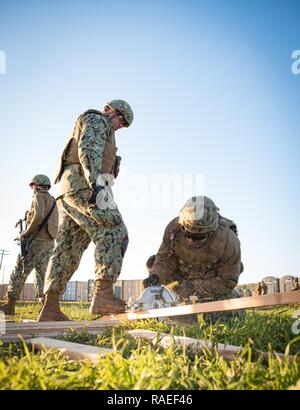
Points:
x=214 y=97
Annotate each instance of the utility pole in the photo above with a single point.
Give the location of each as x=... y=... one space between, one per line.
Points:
x=3 y=274
x=3 y=253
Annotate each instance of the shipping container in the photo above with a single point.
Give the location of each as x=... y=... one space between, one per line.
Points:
x=82 y=291
x=28 y=292
x=272 y=284
x=131 y=289
x=70 y=292
x=287 y=283
x=3 y=291
x=118 y=291
x=90 y=289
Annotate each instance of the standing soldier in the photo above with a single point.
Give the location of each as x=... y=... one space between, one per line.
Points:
x=259 y=289
x=296 y=285
x=264 y=288
x=88 y=167
x=42 y=226
x=201 y=251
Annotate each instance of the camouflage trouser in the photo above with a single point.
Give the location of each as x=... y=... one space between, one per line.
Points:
x=39 y=281
x=37 y=258
x=76 y=230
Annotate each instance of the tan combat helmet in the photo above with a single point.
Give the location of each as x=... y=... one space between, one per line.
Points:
x=40 y=179
x=150 y=262
x=199 y=215
x=123 y=108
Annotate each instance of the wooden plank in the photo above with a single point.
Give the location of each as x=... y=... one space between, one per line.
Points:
x=13 y=331
x=226 y=351
x=281 y=356
x=27 y=336
x=74 y=351
x=76 y=324
x=165 y=340
x=30 y=329
x=210 y=307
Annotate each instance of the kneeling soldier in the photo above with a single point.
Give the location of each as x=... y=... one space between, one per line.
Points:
x=201 y=251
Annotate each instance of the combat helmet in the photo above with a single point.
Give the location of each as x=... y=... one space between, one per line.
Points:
x=123 y=108
x=199 y=216
x=150 y=262
x=40 y=179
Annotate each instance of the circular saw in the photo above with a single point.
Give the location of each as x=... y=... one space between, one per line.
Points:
x=156 y=297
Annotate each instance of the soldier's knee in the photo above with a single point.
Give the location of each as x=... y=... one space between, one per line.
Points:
x=124 y=245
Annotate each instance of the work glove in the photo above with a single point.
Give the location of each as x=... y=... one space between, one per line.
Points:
x=95 y=191
x=152 y=280
x=117 y=166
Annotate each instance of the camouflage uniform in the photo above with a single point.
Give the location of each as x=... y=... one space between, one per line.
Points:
x=40 y=245
x=90 y=154
x=209 y=270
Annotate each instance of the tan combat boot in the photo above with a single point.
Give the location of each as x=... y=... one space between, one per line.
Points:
x=9 y=307
x=104 y=300
x=51 y=309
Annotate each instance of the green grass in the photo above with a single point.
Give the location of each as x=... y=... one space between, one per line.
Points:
x=75 y=311
x=141 y=365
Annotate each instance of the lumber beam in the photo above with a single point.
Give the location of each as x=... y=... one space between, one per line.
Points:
x=27 y=330
x=225 y=350
x=210 y=307
x=30 y=329
x=73 y=351
x=165 y=340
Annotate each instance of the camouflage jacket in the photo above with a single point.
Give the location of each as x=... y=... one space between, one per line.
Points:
x=90 y=138
x=211 y=269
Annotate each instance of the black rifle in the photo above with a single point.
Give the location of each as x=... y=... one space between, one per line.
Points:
x=22 y=241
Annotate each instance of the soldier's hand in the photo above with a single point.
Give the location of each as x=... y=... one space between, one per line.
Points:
x=23 y=234
x=152 y=280
x=95 y=191
x=117 y=166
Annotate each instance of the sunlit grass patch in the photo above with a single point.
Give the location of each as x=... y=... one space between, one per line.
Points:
x=139 y=364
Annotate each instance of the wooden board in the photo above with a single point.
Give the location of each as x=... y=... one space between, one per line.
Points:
x=226 y=351
x=74 y=351
x=27 y=330
x=210 y=307
x=30 y=329
x=165 y=340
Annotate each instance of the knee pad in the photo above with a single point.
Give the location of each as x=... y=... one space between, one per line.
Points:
x=124 y=245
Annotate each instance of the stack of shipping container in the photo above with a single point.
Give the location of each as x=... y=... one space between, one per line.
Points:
x=130 y=290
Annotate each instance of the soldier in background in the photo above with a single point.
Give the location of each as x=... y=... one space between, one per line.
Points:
x=42 y=227
x=296 y=285
x=264 y=289
x=200 y=250
x=258 y=289
x=88 y=213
